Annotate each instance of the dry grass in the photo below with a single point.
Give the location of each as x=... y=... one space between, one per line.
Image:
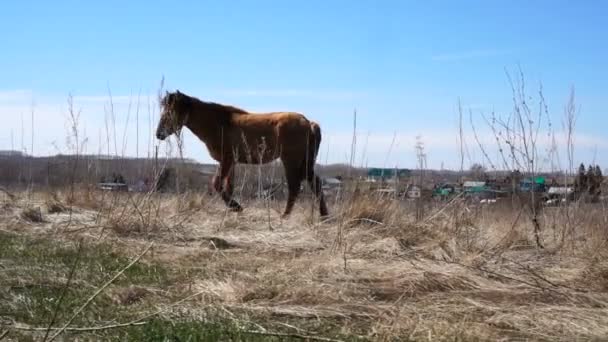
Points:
x=468 y=273
x=130 y=295
x=54 y=204
x=32 y=214
x=370 y=210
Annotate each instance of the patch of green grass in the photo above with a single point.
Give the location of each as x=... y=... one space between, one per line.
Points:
x=34 y=271
x=96 y=261
x=190 y=330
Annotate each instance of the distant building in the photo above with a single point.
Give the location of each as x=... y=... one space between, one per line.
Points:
x=536 y=184
x=11 y=153
x=413 y=191
x=559 y=194
x=207 y=170
x=113 y=186
x=446 y=189
x=331 y=184
x=387 y=173
x=481 y=191
x=474 y=186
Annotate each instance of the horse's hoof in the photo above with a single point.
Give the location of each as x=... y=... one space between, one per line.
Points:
x=236 y=208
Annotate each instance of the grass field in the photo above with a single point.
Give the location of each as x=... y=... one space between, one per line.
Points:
x=167 y=267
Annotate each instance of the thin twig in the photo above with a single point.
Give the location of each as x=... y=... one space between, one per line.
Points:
x=168 y=307
x=483 y=150
x=64 y=290
x=8 y=193
x=443 y=208
x=100 y=290
x=544 y=279
x=82 y=329
x=3 y=335
x=484 y=270
x=135 y=322
x=303 y=337
x=116 y=326
x=363 y=219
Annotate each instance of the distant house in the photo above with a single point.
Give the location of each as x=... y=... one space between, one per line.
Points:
x=387 y=173
x=536 y=184
x=413 y=191
x=559 y=194
x=445 y=189
x=386 y=192
x=472 y=187
x=331 y=184
x=113 y=186
x=207 y=170
x=481 y=191
x=560 y=191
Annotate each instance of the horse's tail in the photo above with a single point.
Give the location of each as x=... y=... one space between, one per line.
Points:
x=315 y=139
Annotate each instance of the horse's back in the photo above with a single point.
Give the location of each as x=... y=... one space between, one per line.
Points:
x=279 y=122
x=280 y=132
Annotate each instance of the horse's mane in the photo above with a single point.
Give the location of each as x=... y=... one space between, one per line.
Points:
x=212 y=106
x=221 y=108
x=192 y=105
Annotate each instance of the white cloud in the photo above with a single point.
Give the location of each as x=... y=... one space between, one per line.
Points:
x=442 y=146
x=15 y=96
x=373 y=148
x=51 y=122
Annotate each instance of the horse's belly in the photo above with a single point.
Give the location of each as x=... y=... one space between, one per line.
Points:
x=246 y=158
x=256 y=153
x=255 y=145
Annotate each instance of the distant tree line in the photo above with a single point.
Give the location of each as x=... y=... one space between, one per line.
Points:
x=589 y=181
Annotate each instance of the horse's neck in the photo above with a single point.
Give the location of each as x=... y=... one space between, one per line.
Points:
x=207 y=125
x=206 y=131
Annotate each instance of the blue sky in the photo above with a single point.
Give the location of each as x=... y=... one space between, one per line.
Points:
x=402 y=64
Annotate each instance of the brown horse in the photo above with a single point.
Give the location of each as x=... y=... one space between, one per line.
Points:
x=233 y=135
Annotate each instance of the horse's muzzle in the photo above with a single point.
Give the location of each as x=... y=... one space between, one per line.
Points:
x=161 y=134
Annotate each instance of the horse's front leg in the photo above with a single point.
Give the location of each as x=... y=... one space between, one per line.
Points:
x=223 y=184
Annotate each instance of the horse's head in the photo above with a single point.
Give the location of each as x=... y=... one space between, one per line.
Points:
x=174 y=111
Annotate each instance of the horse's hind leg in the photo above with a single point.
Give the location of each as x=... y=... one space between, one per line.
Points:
x=294 y=180
x=315 y=185
x=223 y=184
x=227 y=194
x=309 y=171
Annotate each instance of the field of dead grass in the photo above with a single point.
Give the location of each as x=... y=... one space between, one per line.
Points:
x=109 y=266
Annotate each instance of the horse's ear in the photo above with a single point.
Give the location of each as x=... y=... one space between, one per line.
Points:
x=178 y=92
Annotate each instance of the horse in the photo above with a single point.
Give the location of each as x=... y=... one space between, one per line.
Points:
x=233 y=135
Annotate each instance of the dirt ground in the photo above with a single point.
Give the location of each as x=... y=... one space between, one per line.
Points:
x=370 y=272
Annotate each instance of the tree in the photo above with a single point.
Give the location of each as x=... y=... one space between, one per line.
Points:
x=595 y=188
x=598 y=174
x=163 y=180
x=591 y=182
x=478 y=171
x=580 y=183
x=514 y=178
x=600 y=177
